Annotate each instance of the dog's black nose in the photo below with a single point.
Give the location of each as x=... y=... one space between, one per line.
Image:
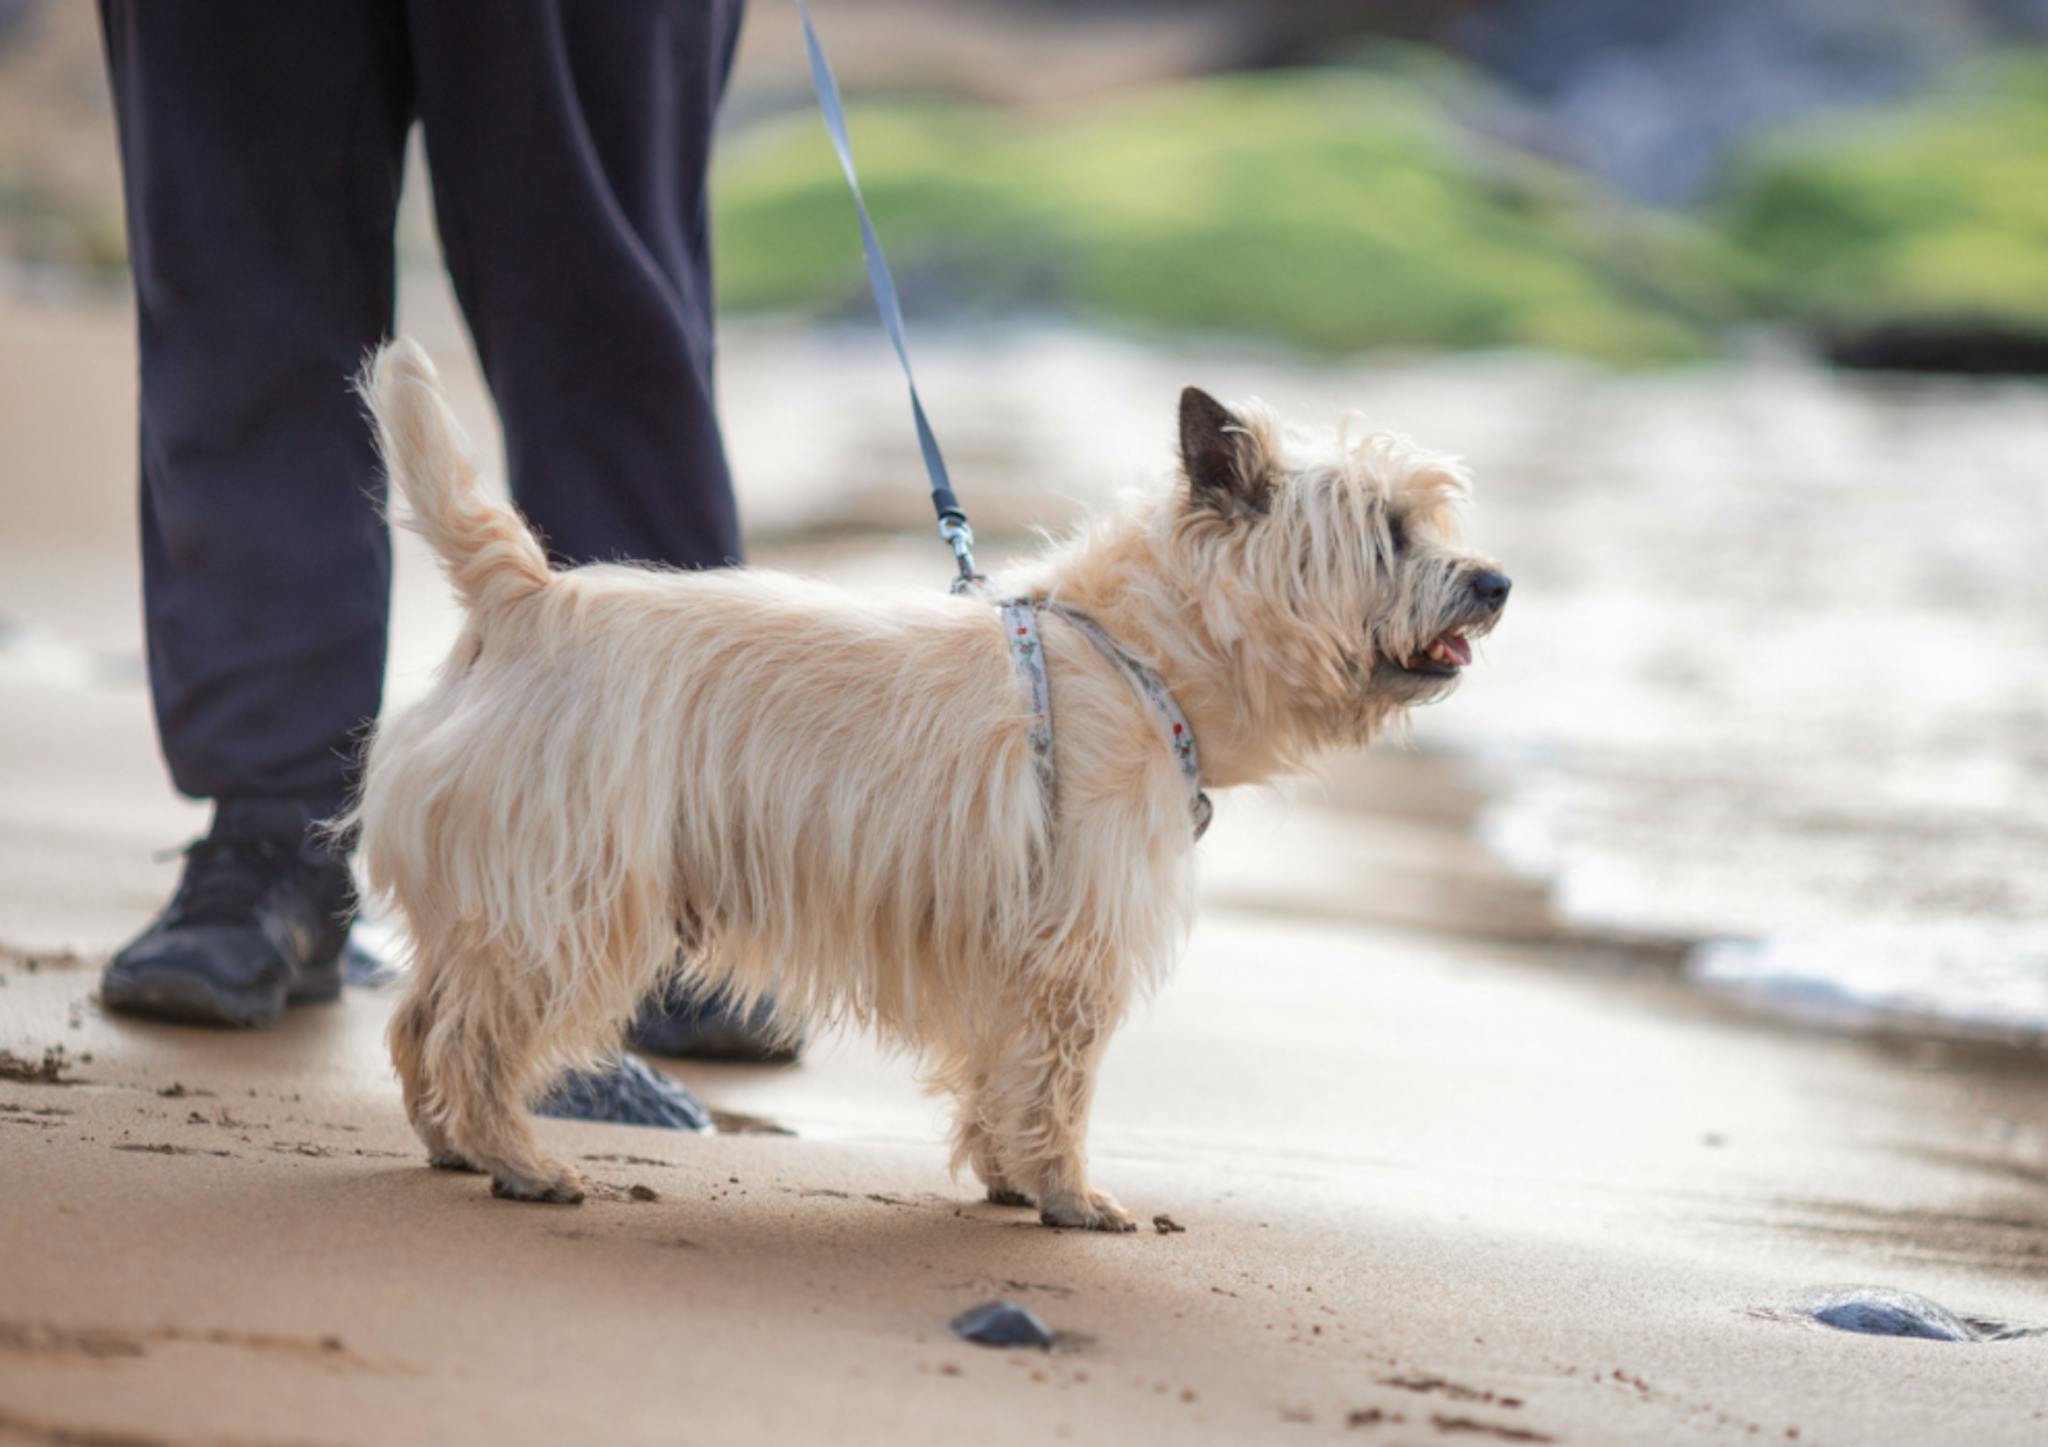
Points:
x=1491 y=588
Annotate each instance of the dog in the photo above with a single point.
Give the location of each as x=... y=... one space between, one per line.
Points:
x=777 y=787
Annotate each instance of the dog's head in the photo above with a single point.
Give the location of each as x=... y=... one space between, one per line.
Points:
x=1341 y=581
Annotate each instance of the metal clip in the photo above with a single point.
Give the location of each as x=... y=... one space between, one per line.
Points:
x=954 y=530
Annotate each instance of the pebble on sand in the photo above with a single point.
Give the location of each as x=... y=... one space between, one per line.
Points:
x=1883 y=1311
x=1001 y=1324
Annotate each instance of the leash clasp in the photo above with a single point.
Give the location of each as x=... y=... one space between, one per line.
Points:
x=954 y=529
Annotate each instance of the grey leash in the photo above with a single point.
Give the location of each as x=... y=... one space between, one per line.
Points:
x=952 y=518
x=1019 y=615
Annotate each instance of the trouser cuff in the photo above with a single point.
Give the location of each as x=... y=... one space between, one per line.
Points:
x=285 y=820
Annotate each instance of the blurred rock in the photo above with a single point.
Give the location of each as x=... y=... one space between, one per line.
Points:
x=1964 y=346
x=1001 y=1324
x=16 y=20
x=1653 y=98
x=1881 y=1311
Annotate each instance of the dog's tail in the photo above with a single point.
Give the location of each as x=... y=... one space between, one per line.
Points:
x=490 y=554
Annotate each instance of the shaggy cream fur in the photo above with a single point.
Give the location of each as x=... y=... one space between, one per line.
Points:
x=775 y=786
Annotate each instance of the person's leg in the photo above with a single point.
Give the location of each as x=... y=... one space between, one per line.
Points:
x=261 y=147
x=569 y=145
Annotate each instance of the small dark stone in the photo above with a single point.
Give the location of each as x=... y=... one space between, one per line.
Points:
x=644 y=1193
x=1001 y=1324
x=1881 y=1311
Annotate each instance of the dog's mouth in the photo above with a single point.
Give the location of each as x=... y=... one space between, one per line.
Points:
x=1446 y=654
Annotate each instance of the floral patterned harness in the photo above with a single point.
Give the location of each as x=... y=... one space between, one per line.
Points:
x=1020 y=627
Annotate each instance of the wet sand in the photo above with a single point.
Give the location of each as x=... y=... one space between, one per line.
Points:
x=1443 y=1173
x=1570 y=1201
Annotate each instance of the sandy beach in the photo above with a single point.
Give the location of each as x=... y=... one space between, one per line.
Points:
x=1430 y=1165
x=1566 y=1215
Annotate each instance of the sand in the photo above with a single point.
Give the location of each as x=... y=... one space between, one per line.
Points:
x=1446 y=1173
x=1449 y=1185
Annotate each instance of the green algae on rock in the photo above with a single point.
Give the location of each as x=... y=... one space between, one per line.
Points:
x=1937 y=211
x=1337 y=210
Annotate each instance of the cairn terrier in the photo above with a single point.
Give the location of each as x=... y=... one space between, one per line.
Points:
x=777 y=787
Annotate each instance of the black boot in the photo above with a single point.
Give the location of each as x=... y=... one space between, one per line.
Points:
x=259 y=921
x=624 y=1092
x=678 y=1022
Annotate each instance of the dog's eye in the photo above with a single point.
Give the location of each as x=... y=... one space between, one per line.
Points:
x=1397 y=535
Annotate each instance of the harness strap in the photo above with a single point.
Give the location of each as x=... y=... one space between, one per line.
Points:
x=1020 y=628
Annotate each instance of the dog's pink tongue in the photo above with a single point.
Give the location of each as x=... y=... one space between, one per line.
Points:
x=1456 y=648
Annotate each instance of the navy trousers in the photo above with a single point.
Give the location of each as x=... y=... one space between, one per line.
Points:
x=262 y=143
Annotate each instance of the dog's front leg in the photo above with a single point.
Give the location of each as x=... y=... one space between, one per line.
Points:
x=976 y=1141
x=1035 y=1108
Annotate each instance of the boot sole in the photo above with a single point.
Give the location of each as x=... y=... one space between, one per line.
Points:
x=192 y=999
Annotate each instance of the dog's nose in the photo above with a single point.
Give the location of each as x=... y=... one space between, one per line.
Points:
x=1491 y=587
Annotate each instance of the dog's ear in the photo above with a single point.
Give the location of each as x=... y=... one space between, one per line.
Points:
x=1226 y=464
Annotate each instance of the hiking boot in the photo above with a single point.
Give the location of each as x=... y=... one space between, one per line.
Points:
x=624 y=1092
x=258 y=922
x=688 y=1026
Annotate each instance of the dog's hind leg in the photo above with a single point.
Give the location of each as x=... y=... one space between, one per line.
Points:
x=487 y=1055
x=1036 y=1101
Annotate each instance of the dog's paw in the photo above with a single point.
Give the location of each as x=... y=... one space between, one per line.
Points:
x=1009 y=1196
x=449 y=1160
x=1096 y=1211
x=564 y=1189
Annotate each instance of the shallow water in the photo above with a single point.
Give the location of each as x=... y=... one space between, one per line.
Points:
x=1776 y=665
x=1777 y=659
